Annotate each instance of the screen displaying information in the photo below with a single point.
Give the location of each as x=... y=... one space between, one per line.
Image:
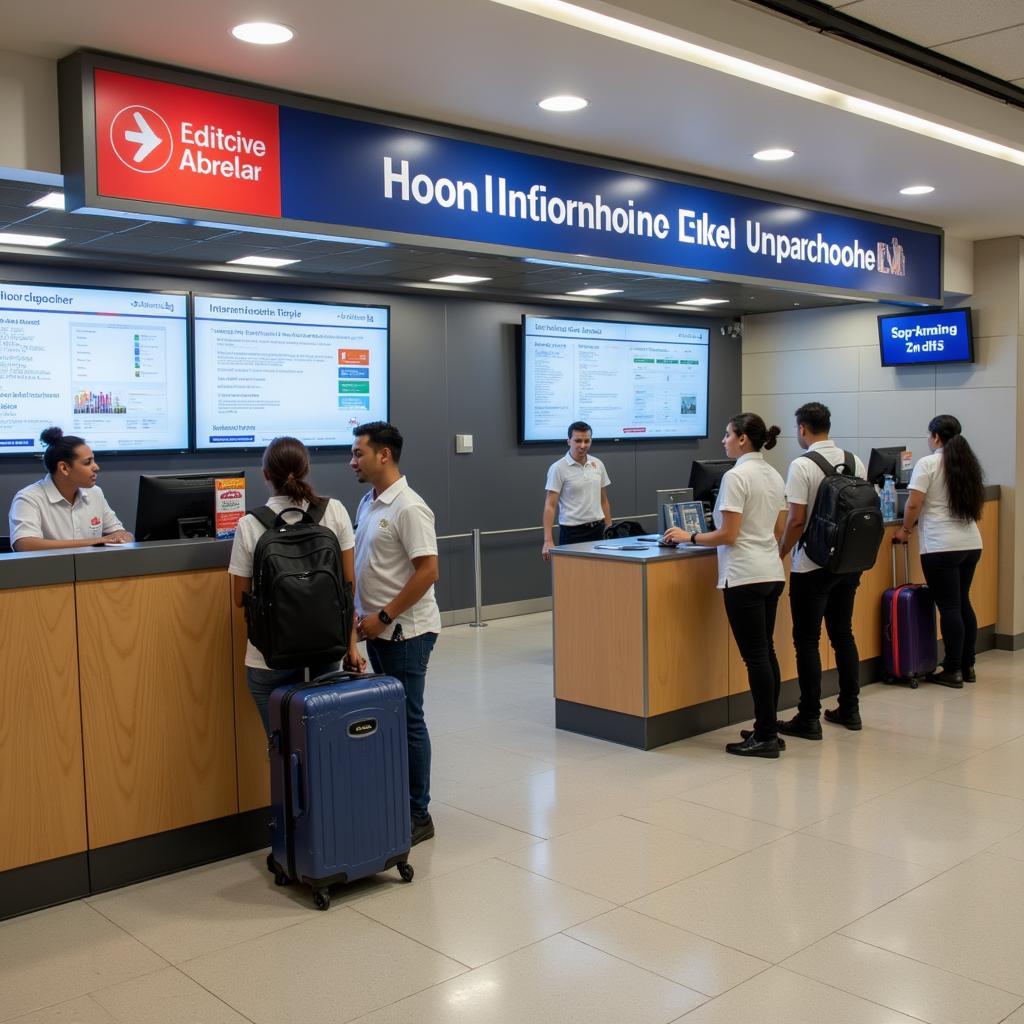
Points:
x=913 y=339
x=631 y=381
x=109 y=366
x=265 y=368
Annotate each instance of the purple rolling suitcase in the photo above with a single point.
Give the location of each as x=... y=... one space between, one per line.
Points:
x=909 y=644
x=339 y=781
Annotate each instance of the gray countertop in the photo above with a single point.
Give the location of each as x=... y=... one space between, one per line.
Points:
x=623 y=549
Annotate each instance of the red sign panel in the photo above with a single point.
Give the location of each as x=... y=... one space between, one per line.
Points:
x=164 y=143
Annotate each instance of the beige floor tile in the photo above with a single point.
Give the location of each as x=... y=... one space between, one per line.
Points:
x=167 y=997
x=83 y=1010
x=466 y=760
x=194 y=912
x=706 y=823
x=779 y=996
x=1015 y=1018
x=557 y=981
x=678 y=955
x=480 y=913
x=529 y=739
x=1012 y=846
x=620 y=859
x=930 y=823
x=967 y=921
x=913 y=988
x=334 y=968
x=781 y=897
x=1000 y=770
x=951 y=722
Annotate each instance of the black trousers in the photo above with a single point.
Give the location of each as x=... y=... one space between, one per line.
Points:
x=826 y=596
x=751 y=610
x=578 y=534
x=949 y=575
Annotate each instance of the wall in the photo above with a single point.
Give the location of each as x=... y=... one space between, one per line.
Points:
x=452 y=371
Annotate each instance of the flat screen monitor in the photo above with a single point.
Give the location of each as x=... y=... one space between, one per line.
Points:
x=106 y=364
x=176 y=505
x=916 y=339
x=885 y=462
x=706 y=478
x=628 y=381
x=670 y=496
x=265 y=368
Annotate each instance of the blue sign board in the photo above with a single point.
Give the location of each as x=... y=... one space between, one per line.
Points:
x=913 y=339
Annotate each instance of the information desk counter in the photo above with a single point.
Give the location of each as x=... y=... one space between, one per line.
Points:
x=643 y=650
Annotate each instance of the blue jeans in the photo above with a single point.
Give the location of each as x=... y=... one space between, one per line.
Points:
x=406 y=660
x=263 y=682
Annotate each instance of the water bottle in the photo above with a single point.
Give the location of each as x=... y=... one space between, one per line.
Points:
x=889 y=499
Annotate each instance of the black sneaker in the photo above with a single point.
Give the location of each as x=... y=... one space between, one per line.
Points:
x=805 y=728
x=851 y=719
x=747 y=733
x=946 y=677
x=969 y=676
x=753 y=747
x=422 y=829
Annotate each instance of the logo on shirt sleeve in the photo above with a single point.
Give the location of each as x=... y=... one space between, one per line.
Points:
x=95 y=521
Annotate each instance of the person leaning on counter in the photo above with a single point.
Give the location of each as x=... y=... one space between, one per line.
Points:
x=65 y=509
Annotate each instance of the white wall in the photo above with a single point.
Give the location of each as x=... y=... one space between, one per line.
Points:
x=28 y=113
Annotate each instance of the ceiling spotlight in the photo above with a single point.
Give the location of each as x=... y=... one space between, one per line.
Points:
x=42 y=241
x=593 y=293
x=773 y=154
x=459 y=279
x=262 y=33
x=261 y=261
x=51 y=201
x=563 y=104
x=917 y=190
x=702 y=302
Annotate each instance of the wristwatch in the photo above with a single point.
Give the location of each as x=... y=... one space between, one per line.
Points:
x=384 y=617
x=693 y=536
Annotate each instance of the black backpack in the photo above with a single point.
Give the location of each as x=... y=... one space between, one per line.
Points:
x=845 y=529
x=299 y=610
x=627 y=528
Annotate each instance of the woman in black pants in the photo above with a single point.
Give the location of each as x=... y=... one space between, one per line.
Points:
x=946 y=497
x=749 y=515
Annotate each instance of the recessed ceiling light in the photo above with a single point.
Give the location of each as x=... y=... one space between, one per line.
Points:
x=593 y=293
x=10 y=238
x=459 y=279
x=773 y=154
x=917 y=190
x=262 y=33
x=51 y=201
x=563 y=104
x=261 y=261
x=702 y=302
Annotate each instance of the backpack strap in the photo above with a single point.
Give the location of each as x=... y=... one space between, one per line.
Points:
x=822 y=463
x=271 y=520
x=265 y=516
x=316 y=509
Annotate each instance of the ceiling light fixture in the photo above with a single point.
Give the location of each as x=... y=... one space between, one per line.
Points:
x=670 y=46
x=262 y=33
x=773 y=154
x=703 y=302
x=917 y=190
x=563 y=104
x=51 y=201
x=41 y=241
x=593 y=293
x=262 y=261
x=459 y=279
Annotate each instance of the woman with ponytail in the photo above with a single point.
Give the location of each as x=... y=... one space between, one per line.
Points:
x=286 y=468
x=946 y=497
x=749 y=516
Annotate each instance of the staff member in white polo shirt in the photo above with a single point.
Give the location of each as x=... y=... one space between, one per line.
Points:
x=577 y=487
x=65 y=509
x=396 y=611
x=749 y=515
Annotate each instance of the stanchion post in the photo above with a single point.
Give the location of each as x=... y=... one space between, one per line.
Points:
x=478 y=582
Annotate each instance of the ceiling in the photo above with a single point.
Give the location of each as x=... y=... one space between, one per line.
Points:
x=484 y=65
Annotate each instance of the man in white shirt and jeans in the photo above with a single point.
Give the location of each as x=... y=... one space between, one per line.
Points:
x=815 y=594
x=577 y=489
x=396 y=611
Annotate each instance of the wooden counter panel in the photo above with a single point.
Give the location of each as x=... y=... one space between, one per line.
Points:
x=985 y=589
x=599 y=633
x=687 y=635
x=157 y=709
x=250 y=739
x=42 y=788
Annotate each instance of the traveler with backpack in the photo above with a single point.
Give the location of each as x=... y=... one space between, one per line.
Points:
x=834 y=529
x=748 y=515
x=946 y=498
x=292 y=568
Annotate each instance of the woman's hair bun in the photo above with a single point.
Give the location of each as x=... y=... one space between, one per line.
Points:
x=773 y=436
x=51 y=435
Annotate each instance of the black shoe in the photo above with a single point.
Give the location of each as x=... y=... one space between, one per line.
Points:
x=954 y=678
x=422 y=829
x=969 y=676
x=747 y=733
x=805 y=728
x=851 y=719
x=752 y=747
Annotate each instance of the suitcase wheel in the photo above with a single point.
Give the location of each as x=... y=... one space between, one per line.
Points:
x=271 y=866
x=280 y=878
x=913 y=684
x=322 y=899
x=406 y=871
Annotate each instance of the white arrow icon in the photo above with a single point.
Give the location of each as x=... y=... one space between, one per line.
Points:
x=147 y=139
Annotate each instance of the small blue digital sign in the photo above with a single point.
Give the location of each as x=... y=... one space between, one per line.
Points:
x=918 y=339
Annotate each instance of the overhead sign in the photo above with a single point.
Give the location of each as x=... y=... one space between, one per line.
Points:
x=158 y=141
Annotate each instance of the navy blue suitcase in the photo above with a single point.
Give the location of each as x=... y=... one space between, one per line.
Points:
x=339 y=781
x=909 y=640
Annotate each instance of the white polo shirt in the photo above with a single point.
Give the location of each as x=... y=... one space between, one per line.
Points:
x=578 y=486
x=391 y=530
x=250 y=529
x=802 y=485
x=755 y=490
x=41 y=511
x=939 y=530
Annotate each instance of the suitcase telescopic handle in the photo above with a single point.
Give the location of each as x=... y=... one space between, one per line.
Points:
x=295 y=781
x=906 y=563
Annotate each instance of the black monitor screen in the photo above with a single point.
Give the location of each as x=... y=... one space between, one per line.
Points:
x=706 y=478
x=885 y=462
x=176 y=505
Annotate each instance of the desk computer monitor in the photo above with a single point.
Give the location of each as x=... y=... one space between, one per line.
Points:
x=886 y=462
x=670 y=496
x=706 y=477
x=176 y=505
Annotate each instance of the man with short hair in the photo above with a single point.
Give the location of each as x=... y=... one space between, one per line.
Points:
x=815 y=594
x=577 y=489
x=396 y=611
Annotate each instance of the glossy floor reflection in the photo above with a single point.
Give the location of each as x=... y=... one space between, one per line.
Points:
x=874 y=877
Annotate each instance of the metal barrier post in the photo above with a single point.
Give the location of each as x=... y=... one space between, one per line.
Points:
x=478 y=581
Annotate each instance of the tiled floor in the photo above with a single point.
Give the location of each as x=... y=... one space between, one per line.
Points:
x=876 y=877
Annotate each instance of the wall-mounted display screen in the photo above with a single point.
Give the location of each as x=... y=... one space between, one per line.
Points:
x=628 y=381
x=264 y=368
x=106 y=364
x=915 y=339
